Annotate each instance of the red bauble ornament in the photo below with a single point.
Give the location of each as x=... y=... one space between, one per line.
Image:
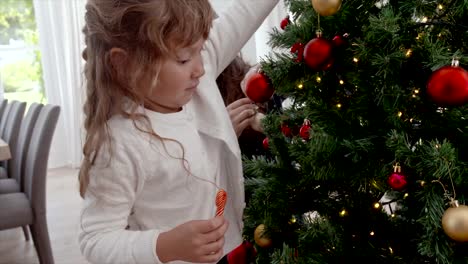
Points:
x=284 y=22
x=244 y=253
x=265 y=143
x=304 y=132
x=448 y=86
x=286 y=130
x=259 y=88
x=318 y=54
x=397 y=181
x=339 y=41
x=298 y=48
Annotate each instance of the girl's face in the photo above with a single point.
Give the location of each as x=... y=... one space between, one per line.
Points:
x=178 y=79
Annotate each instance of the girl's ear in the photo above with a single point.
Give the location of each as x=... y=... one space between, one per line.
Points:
x=118 y=58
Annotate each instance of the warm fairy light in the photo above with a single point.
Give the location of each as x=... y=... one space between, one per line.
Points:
x=391 y=250
x=319 y=79
x=293 y=220
x=343 y=212
x=416 y=91
x=341 y=82
x=419 y=36
x=400 y=114
x=372 y=233
x=408 y=52
x=377 y=205
x=355 y=59
x=414 y=96
x=439 y=35
x=392 y=215
x=406 y=195
x=300 y=86
x=440 y=7
x=338 y=105
x=437 y=146
x=411 y=120
x=424 y=20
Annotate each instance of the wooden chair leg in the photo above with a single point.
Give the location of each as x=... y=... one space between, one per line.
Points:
x=26 y=232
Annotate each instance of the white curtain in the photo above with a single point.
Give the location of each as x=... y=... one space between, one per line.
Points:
x=60 y=39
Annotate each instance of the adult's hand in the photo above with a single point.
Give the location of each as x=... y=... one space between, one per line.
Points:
x=241 y=113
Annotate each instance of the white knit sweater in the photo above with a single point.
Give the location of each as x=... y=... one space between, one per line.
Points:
x=141 y=190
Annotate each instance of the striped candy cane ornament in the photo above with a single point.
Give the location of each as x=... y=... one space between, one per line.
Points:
x=221 y=198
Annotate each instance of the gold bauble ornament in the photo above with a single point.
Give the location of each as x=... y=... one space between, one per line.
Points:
x=455 y=222
x=260 y=237
x=326 y=7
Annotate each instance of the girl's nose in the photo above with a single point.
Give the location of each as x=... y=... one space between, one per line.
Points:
x=199 y=70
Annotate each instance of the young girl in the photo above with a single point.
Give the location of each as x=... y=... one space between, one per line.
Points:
x=159 y=142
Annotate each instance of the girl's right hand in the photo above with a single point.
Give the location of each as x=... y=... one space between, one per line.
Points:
x=199 y=241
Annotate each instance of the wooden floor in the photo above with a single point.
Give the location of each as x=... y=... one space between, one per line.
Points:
x=63 y=205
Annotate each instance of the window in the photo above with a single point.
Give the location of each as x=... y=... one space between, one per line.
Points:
x=20 y=58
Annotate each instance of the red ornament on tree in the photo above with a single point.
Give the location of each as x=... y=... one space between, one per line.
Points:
x=448 y=86
x=397 y=180
x=318 y=53
x=298 y=48
x=339 y=40
x=259 y=88
x=244 y=253
x=284 y=22
x=286 y=130
x=265 y=143
x=304 y=132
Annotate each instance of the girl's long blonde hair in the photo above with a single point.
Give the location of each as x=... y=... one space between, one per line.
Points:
x=148 y=31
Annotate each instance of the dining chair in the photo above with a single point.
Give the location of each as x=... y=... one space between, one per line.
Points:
x=3 y=105
x=29 y=207
x=4 y=118
x=10 y=134
x=13 y=183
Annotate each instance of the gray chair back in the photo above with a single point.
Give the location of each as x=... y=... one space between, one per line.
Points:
x=37 y=157
x=22 y=146
x=10 y=135
x=4 y=118
x=3 y=105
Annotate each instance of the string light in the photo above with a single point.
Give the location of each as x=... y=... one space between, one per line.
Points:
x=416 y=91
x=300 y=86
x=391 y=250
x=341 y=82
x=406 y=195
x=422 y=183
x=440 y=7
x=372 y=233
x=400 y=114
x=293 y=220
x=338 y=105
x=393 y=215
x=424 y=20
x=419 y=36
x=355 y=59
x=377 y=205
x=319 y=79
x=343 y=213
x=409 y=52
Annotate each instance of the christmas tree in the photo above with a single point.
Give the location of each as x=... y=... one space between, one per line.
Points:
x=369 y=161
